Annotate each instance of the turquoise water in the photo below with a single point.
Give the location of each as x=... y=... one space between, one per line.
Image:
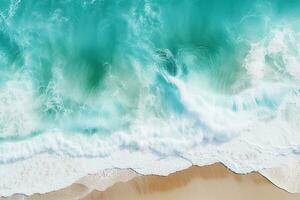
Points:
x=151 y=85
x=99 y=67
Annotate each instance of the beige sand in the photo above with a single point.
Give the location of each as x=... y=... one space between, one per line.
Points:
x=208 y=182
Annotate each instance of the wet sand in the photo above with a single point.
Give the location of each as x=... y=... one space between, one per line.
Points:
x=209 y=182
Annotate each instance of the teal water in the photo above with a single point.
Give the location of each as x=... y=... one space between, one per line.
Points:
x=151 y=85
x=98 y=67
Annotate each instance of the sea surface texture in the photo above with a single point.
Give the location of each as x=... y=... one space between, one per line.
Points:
x=199 y=80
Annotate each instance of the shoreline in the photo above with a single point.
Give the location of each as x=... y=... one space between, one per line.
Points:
x=44 y=179
x=215 y=174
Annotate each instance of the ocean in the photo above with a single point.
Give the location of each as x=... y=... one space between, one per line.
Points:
x=203 y=81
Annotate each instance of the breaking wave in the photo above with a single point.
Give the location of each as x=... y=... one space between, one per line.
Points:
x=206 y=80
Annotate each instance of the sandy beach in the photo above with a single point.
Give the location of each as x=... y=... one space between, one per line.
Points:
x=208 y=182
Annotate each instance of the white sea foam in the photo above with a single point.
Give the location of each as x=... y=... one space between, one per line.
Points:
x=275 y=56
x=42 y=173
x=17 y=114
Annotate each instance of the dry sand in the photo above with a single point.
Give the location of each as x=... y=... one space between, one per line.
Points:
x=208 y=182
